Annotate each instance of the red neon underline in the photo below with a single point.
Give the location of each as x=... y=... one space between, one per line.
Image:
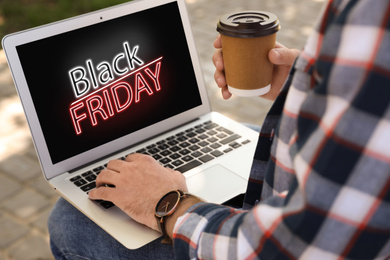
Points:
x=118 y=80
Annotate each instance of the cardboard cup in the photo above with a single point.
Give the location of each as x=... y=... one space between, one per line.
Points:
x=248 y=70
x=247 y=37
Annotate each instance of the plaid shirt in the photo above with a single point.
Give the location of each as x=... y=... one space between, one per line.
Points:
x=322 y=167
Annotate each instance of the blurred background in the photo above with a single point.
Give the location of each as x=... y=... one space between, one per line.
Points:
x=25 y=198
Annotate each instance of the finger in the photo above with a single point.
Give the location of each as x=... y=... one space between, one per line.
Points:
x=220 y=79
x=101 y=193
x=221 y=83
x=226 y=94
x=279 y=45
x=218 y=42
x=218 y=60
x=283 y=56
x=170 y=169
x=134 y=156
x=115 y=165
x=106 y=177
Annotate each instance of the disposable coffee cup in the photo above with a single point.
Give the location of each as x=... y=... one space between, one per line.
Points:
x=247 y=37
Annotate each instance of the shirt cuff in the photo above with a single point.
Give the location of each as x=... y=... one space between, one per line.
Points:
x=189 y=228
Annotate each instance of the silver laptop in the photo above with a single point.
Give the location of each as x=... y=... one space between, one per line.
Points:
x=117 y=81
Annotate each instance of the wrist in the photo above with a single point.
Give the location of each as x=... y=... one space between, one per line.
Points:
x=169 y=208
x=180 y=210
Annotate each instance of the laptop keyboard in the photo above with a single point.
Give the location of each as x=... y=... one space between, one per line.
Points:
x=182 y=152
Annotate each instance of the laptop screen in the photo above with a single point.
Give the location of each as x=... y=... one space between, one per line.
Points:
x=98 y=83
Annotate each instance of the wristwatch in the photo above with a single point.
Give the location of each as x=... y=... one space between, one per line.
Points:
x=165 y=208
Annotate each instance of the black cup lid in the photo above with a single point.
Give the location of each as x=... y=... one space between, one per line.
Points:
x=248 y=24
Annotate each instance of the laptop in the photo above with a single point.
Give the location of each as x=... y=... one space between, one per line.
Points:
x=117 y=81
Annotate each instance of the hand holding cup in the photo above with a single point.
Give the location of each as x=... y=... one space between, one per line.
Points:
x=249 y=70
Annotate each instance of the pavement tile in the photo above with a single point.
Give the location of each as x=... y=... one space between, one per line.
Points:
x=34 y=247
x=25 y=204
x=21 y=167
x=8 y=187
x=11 y=114
x=15 y=142
x=40 y=222
x=42 y=186
x=11 y=231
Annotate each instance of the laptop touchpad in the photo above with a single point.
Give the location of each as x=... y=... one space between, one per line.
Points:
x=216 y=184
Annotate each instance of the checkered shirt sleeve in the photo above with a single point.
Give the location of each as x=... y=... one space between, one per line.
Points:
x=325 y=192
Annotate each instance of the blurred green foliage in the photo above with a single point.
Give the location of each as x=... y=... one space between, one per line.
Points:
x=16 y=15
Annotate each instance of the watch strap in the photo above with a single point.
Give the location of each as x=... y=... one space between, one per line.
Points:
x=161 y=220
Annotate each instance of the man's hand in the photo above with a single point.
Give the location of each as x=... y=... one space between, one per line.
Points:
x=140 y=182
x=282 y=57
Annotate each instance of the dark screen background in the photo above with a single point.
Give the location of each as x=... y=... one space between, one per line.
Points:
x=46 y=63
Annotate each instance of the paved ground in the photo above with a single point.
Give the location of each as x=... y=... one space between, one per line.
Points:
x=25 y=198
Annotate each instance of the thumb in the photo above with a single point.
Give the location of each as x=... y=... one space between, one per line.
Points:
x=283 y=56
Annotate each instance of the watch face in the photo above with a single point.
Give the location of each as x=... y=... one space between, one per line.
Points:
x=167 y=203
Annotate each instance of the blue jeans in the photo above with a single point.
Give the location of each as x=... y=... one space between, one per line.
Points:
x=73 y=236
